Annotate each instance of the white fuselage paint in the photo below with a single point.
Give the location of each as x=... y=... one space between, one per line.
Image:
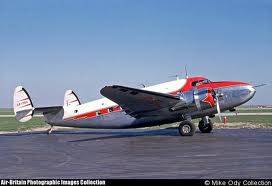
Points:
x=103 y=103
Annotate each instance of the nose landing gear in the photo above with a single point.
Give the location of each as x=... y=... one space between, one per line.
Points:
x=205 y=125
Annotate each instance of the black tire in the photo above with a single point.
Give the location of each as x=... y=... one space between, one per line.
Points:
x=187 y=128
x=205 y=128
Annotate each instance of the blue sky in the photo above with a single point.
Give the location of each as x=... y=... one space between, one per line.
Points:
x=50 y=46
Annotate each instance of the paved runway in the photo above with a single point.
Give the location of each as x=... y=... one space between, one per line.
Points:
x=225 y=153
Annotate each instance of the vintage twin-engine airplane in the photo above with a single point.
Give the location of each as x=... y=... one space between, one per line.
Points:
x=125 y=107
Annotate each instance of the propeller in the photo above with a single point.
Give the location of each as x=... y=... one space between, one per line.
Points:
x=216 y=97
x=218 y=107
x=262 y=84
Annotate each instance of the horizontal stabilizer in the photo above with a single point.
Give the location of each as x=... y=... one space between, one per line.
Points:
x=24 y=109
x=47 y=110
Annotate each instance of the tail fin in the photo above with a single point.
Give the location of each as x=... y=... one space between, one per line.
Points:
x=71 y=99
x=22 y=104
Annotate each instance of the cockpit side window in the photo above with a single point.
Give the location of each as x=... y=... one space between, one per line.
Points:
x=206 y=81
x=194 y=83
x=200 y=82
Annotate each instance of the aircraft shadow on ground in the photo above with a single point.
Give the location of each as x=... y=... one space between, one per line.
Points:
x=128 y=134
x=110 y=134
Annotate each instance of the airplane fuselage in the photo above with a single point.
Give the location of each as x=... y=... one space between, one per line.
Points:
x=106 y=114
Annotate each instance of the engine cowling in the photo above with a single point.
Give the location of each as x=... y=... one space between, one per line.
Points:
x=204 y=98
x=197 y=100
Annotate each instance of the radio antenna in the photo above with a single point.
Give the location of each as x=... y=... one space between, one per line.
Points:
x=175 y=76
x=186 y=72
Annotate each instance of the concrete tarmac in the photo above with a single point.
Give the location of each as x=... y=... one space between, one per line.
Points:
x=137 y=153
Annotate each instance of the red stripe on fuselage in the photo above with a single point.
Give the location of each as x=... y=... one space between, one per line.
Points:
x=83 y=116
x=94 y=114
x=116 y=108
x=104 y=111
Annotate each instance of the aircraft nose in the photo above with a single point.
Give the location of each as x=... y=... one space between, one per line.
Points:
x=252 y=90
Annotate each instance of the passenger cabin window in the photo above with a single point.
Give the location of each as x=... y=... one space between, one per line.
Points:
x=111 y=109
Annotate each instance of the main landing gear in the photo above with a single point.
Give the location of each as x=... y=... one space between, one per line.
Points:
x=205 y=125
x=187 y=128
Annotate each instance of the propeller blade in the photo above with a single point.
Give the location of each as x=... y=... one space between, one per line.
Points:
x=261 y=85
x=218 y=109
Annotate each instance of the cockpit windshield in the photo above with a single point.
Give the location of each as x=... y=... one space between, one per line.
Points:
x=200 y=82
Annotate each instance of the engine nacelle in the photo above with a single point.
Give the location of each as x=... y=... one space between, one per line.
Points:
x=196 y=100
x=204 y=98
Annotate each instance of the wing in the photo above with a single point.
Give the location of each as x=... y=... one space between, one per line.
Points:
x=137 y=102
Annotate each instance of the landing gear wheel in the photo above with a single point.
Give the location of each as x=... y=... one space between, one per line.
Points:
x=205 y=127
x=187 y=128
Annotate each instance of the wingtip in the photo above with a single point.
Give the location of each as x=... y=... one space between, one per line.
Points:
x=102 y=90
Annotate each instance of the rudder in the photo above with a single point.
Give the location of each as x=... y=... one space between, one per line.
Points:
x=22 y=105
x=71 y=99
